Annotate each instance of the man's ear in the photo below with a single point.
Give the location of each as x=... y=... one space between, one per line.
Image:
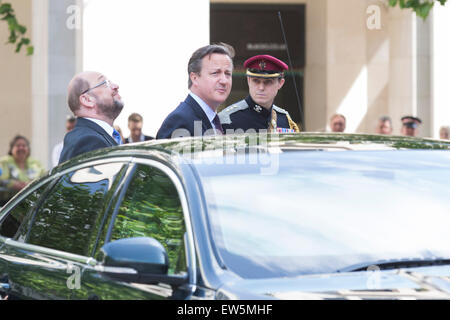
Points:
x=87 y=101
x=194 y=76
x=281 y=83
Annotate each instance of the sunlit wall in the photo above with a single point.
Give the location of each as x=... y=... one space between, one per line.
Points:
x=144 y=47
x=440 y=68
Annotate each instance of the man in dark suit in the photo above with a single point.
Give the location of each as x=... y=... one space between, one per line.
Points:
x=210 y=70
x=96 y=103
x=135 y=122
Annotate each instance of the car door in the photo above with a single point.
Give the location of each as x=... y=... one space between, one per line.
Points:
x=152 y=204
x=45 y=258
x=9 y=226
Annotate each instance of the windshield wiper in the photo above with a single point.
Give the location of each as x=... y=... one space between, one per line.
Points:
x=395 y=264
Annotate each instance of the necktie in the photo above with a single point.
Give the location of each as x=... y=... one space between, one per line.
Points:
x=217 y=124
x=116 y=136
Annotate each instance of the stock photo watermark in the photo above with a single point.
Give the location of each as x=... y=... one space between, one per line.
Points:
x=373 y=21
x=73 y=21
x=252 y=149
x=374 y=280
x=74 y=280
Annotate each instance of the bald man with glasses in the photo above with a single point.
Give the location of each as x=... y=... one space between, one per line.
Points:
x=96 y=103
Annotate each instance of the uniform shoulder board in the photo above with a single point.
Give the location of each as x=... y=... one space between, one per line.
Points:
x=225 y=114
x=279 y=110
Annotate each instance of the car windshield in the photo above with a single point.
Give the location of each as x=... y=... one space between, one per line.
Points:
x=318 y=212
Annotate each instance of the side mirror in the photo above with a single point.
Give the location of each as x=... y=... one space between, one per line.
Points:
x=145 y=255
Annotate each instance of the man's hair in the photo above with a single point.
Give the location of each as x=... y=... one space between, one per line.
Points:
x=79 y=86
x=195 y=62
x=385 y=118
x=337 y=115
x=135 y=117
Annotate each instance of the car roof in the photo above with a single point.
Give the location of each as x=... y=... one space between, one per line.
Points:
x=214 y=145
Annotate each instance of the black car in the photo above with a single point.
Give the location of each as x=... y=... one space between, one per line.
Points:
x=289 y=216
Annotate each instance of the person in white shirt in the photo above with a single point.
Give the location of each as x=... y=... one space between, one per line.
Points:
x=56 y=153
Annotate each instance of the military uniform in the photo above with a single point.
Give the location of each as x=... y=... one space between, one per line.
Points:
x=246 y=114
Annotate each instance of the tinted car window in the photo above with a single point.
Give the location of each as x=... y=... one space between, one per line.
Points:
x=15 y=217
x=152 y=208
x=71 y=215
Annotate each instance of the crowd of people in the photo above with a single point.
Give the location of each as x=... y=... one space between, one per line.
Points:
x=410 y=126
x=95 y=103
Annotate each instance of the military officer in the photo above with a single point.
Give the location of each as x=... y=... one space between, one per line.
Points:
x=410 y=126
x=265 y=76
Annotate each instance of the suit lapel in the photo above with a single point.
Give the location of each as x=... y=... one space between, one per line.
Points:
x=81 y=122
x=199 y=113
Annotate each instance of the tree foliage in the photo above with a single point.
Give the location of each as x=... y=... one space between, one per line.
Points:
x=421 y=7
x=16 y=30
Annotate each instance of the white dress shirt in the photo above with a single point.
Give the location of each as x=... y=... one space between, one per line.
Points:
x=105 y=126
x=207 y=109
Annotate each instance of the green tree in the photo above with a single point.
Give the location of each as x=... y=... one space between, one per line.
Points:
x=16 y=30
x=421 y=7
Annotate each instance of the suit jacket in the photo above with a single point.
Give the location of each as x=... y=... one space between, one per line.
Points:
x=146 y=138
x=86 y=136
x=184 y=117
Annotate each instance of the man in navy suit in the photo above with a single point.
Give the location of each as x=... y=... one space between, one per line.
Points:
x=96 y=103
x=210 y=78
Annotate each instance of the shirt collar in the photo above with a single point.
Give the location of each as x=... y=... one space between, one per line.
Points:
x=207 y=109
x=105 y=126
x=141 y=138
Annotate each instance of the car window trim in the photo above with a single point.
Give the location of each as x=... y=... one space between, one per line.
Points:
x=31 y=211
x=119 y=200
x=128 y=168
x=12 y=204
x=124 y=160
x=56 y=178
x=190 y=254
x=53 y=252
x=208 y=224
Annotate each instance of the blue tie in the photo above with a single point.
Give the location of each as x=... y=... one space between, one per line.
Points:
x=117 y=137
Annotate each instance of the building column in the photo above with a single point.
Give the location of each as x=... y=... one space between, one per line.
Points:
x=403 y=73
x=55 y=61
x=39 y=80
x=315 y=100
x=440 y=68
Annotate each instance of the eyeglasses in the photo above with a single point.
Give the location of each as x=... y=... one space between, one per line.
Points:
x=107 y=82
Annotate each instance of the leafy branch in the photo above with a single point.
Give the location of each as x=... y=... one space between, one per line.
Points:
x=421 y=7
x=16 y=30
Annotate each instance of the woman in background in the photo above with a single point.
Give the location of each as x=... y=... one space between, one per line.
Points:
x=17 y=168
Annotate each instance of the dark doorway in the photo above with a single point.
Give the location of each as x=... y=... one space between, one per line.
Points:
x=254 y=29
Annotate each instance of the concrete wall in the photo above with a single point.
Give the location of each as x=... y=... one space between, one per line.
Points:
x=15 y=82
x=376 y=63
x=440 y=52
